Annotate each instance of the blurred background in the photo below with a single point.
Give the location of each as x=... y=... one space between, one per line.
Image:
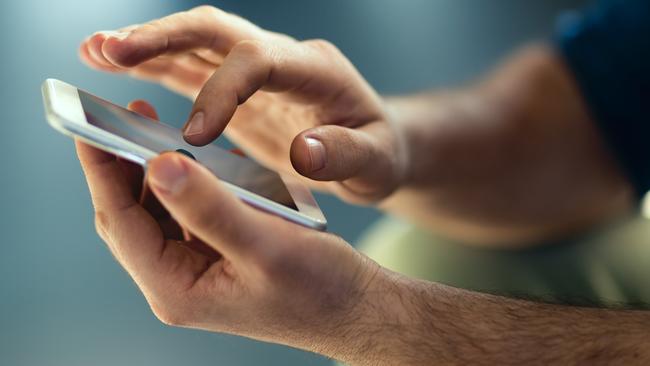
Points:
x=63 y=299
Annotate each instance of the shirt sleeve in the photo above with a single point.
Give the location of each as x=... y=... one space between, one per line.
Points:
x=607 y=48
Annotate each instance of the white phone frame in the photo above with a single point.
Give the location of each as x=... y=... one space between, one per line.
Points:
x=65 y=113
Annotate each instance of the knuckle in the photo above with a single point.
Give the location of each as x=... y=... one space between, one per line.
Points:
x=102 y=225
x=208 y=10
x=270 y=263
x=166 y=23
x=271 y=258
x=204 y=220
x=230 y=231
x=152 y=26
x=323 y=45
x=170 y=316
x=221 y=224
x=253 y=49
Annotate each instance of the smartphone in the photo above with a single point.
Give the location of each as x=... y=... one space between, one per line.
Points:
x=137 y=138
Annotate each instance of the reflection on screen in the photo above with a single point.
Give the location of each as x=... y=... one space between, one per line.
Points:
x=159 y=137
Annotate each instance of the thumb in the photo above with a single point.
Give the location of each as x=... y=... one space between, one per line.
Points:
x=363 y=163
x=198 y=201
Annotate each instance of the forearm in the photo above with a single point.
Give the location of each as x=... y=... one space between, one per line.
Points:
x=473 y=117
x=497 y=161
x=411 y=322
x=456 y=176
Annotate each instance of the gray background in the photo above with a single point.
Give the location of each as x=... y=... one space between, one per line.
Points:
x=63 y=299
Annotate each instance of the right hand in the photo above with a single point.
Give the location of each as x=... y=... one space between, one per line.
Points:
x=294 y=106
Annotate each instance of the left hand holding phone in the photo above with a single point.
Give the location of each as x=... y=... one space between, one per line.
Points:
x=242 y=271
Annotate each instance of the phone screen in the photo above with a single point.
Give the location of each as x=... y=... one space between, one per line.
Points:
x=159 y=137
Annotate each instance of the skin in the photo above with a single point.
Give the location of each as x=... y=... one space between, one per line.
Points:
x=491 y=167
x=513 y=160
x=481 y=164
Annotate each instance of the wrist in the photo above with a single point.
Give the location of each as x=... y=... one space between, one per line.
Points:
x=398 y=322
x=376 y=331
x=335 y=320
x=356 y=333
x=427 y=124
x=401 y=116
x=395 y=111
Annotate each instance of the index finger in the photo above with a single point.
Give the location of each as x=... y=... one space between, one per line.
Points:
x=201 y=27
x=312 y=72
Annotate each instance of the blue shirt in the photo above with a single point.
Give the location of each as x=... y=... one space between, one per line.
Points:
x=607 y=47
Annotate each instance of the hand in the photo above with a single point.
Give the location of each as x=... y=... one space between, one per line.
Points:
x=294 y=106
x=249 y=273
x=243 y=271
x=483 y=164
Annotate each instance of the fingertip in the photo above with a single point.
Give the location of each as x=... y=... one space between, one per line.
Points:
x=84 y=54
x=167 y=173
x=164 y=158
x=120 y=52
x=209 y=118
x=195 y=126
x=332 y=153
x=199 y=203
x=195 y=140
x=144 y=108
x=299 y=155
x=198 y=131
x=94 y=46
x=86 y=57
x=94 y=43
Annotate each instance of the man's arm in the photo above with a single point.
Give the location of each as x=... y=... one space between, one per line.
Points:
x=249 y=273
x=410 y=322
x=527 y=155
x=514 y=158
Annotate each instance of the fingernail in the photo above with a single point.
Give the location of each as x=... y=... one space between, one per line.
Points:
x=195 y=125
x=316 y=153
x=168 y=174
x=113 y=34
